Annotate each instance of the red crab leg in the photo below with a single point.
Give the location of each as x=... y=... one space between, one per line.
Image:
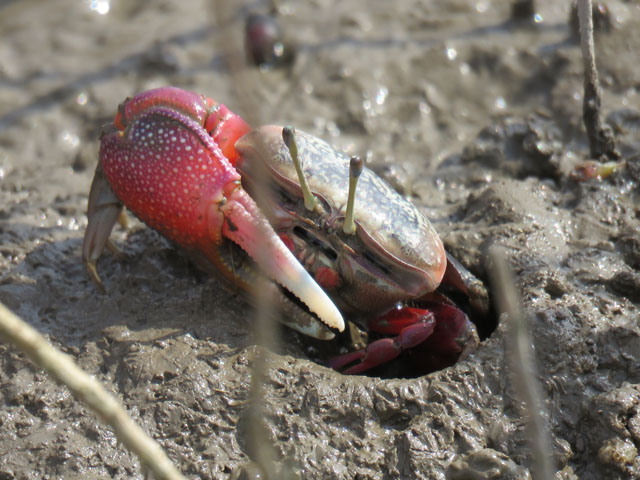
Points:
x=412 y=327
x=437 y=337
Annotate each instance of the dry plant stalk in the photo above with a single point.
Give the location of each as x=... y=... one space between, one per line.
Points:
x=601 y=142
x=259 y=443
x=521 y=363
x=87 y=390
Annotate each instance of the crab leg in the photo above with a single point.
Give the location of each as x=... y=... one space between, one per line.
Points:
x=412 y=327
x=102 y=213
x=439 y=335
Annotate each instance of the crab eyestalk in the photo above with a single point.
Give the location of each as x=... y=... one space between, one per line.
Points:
x=355 y=169
x=289 y=138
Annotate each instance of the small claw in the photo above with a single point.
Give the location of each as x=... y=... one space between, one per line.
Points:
x=246 y=226
x=377 y=353
x=102 y=213
x=454 y=339
x=397 y=319
x=415 y=334
x=384 y=350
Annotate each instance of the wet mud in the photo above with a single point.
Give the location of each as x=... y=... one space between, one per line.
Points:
x=473 y=114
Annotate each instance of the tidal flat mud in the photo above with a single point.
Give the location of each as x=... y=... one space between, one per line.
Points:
x=473 y=114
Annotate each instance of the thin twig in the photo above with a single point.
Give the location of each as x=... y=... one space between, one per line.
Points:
x=259 y=442
x=522 y=364
x=601 y=142
x=87 y=390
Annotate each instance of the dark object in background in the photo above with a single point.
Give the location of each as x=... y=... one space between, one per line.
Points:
x=264 y=42
x=523 y=10
x=160 y=58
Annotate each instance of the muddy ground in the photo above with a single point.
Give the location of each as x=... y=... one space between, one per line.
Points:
x=473 y=115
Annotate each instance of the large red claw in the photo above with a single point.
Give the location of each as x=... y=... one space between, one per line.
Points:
x=170 y=172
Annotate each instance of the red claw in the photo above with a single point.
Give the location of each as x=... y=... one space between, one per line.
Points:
x=386 y=349
x=162 y=164
x=167 y=171
x=435 y=337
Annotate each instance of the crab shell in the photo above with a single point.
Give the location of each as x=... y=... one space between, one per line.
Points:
x=395 y=253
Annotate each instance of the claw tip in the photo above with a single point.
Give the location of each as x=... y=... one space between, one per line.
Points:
x=91 y=267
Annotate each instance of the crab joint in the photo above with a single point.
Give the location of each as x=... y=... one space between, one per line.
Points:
x=289 y=138
x=355 y=169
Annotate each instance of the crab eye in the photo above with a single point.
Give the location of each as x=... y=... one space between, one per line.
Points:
x=315 y=242
x=287 y=199
x=376 y=263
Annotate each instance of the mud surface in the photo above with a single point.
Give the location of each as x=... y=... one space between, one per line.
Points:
x=475 y=116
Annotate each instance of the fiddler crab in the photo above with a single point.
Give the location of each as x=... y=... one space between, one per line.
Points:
x=181 y=162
